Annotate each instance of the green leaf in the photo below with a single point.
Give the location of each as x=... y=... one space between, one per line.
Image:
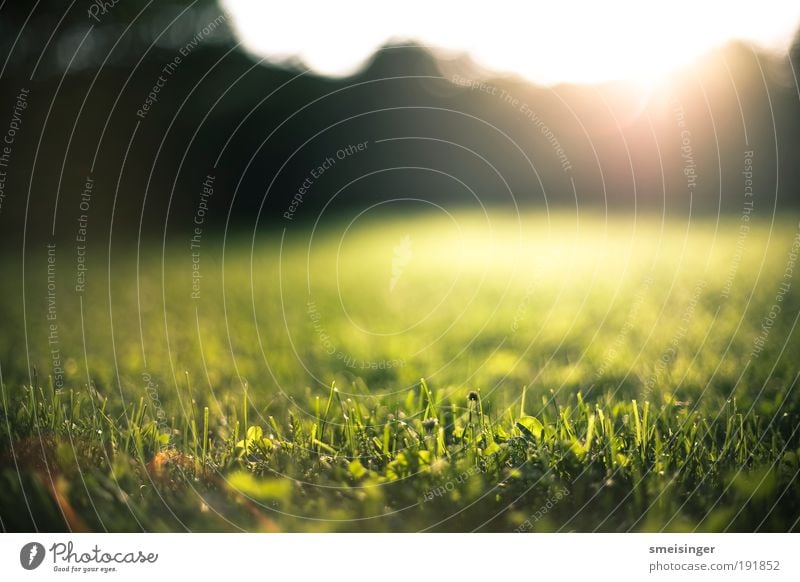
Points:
x=254 y=433
x=530 y=427
x=255 y=442
x=492 y=449
x=260 y=489
x=356 y=469
x=577 y=448
x=500 y=434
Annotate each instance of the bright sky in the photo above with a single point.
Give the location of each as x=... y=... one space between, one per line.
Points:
x=547 y=42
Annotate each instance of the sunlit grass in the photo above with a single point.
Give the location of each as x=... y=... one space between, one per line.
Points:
x=631 y=340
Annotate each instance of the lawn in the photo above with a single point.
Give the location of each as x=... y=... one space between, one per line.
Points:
x=410 y=372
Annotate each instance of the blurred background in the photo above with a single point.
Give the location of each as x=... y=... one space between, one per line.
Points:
x=572 y=107
x=150 y=130
x=545 y=142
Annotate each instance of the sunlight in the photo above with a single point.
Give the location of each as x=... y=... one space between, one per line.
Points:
x=568 y=41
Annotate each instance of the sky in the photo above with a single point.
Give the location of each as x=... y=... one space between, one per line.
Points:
x=545 y=42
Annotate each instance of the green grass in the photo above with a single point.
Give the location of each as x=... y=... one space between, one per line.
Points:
x=592 y=374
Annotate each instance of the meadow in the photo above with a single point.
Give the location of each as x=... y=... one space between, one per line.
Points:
x=414 y=372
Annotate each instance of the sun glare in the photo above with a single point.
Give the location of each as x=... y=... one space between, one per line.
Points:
x=551 y=42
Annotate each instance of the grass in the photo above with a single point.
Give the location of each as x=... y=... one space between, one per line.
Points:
x=579 y=375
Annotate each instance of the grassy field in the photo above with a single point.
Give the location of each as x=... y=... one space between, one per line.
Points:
x=580 y=374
